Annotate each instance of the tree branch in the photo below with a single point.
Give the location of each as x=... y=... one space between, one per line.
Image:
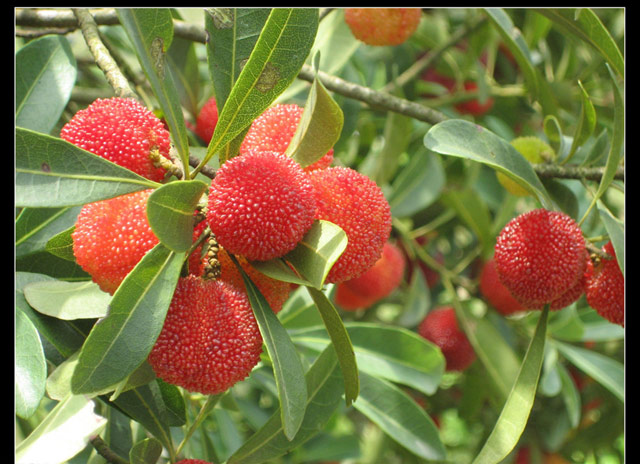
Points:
x=550 y=171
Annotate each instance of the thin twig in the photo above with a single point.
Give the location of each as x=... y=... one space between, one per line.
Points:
x=554 y=171
x=103 y=450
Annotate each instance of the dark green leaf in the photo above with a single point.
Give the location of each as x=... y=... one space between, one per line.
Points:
x=586 y=123
x=35 y=226
x=615 y=229
x=30 y=367
x=182 y=62
x=147 y=451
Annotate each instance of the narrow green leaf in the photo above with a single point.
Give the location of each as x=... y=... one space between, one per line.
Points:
x=570 y=395
x=30 y=367
x=35 y=226
x=340 y=341
x=182 y=62
x=61 y=245
x=63 y=433
x=147 y=451
x=464 y=139
x=170 y=210
x=312 y=258
x=325 y=387
x=45 y=74
x=615 y=229
x=586 y=123
x=400 y=417
x=151 y=32
x=52 y=172
x=474 y=212
x=287 y=367
x=515 y=412
x=278 y=56
x=121 y=341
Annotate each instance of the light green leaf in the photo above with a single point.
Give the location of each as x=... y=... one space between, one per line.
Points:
x=68 y=300
x=30 y=367
x=52 y=172
x=61 y=245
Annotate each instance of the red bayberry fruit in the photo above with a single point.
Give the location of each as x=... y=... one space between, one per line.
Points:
x=260 y=205
x=376 y=283
x=207 y=120
x=210 y=339
x=539 y=256
x=604 y=287
x=354 y=202
x=193 y=461
x=441 y=328
x=122 y=131
x=273 y=131
x=496 y=293
x=382 y=26
x=111 y=237
x=474 y=107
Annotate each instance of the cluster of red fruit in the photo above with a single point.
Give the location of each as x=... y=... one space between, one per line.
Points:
x=260 y=205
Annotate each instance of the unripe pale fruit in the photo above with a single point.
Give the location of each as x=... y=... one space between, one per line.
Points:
x=111 y=237
x=273 y=131
x=535 y=151
x=207 y=120
x=355 y=203
x=260 y=205
x=382 y=26
x=604 y=287
x=378 y=282
x=210 y=339
x=496 y=293
x=539 y=256
x=440 y=327
x=122 y=131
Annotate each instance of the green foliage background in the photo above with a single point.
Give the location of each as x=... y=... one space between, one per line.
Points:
x=357 y=387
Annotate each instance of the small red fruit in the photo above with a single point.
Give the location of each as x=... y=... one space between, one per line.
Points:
x=111 y=237
x=382 y=26
x=474 y=107
x=207 y=120
x=376 y=283
x=354 y=202
x=273 y=131
x=496 y=293
x=210 y=339
x=260 y=205
x=604 y=287
x=539 y=256
x=441 y=328
x=122 y=131
x=193 y=461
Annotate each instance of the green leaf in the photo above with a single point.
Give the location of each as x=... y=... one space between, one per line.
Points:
x=30 y=367
x=182 y=62
x=151 y=33
x=170 y=210
x=121 y=341
x=63 y=433
x=615 y=229
x=341 y=343
x=52 y=172
x=287 y=367
x=400 y=417
x=570 y=395
x=324 y=386
x=464 y=139
x=319 y=127
x=606 y=371
x=312 y=258
x=586 y=26
x=61 y=245
x=147 y=451
x=404 y=357
x=515 y=412
x=45 y=75
x=35 y=226
x=586 y=123
x=278 y=56
x=68 y=300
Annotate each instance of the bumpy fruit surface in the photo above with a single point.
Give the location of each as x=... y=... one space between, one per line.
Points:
x=376 y=283
x=260 y=205
x=382 y=26
x=273 y=131
x=539 y=256
x=535 y=151
x=354 y=202
x=496 y=293
x=111 y=237
x=122 y=131
x=441 y=328
x=207 y=120
x=604 y=287
x=210 y=339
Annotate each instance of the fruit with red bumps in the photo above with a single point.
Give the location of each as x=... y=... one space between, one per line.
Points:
x=273 y=131
x=539 y=256
x=604 y=286
x=193 y=461
x=376 y=283
x=355 y=203
x=260 y=205
x=496 y=293
x=210 y=339
x=122 y=131
x=382 y=26
x=111 y=237
x=440 y=327
x=207 y=120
